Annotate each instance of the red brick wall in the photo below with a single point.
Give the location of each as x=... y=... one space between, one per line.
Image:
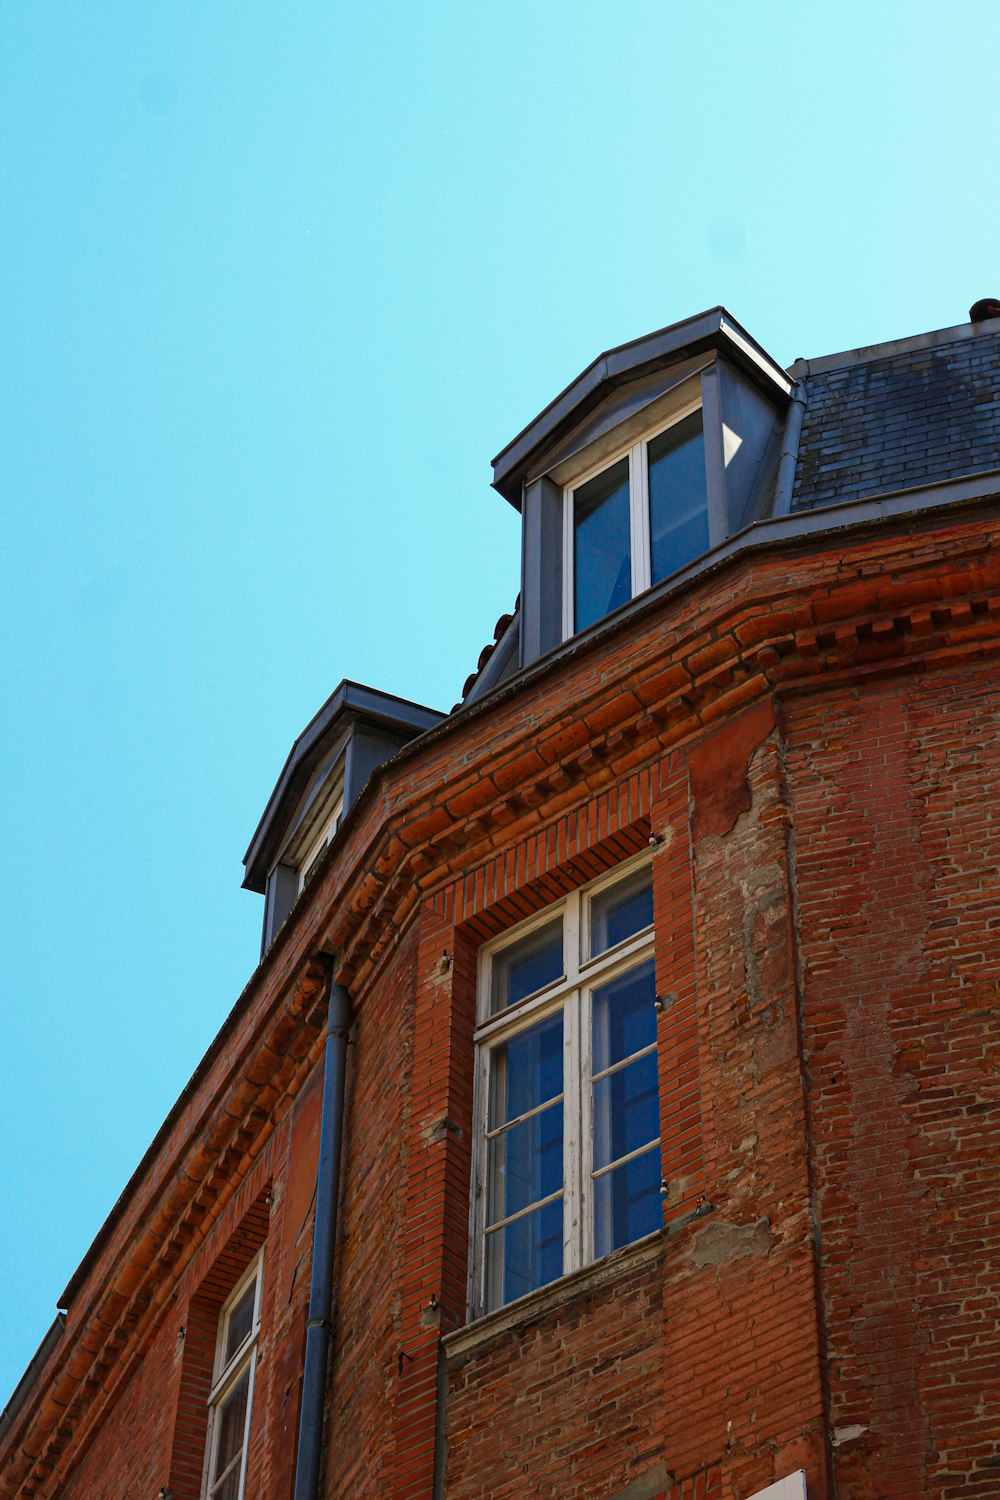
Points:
x=568 y=1404
x=367 y=1328
x=898 y=839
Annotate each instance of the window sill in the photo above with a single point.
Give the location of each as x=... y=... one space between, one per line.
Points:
x=495 y=1325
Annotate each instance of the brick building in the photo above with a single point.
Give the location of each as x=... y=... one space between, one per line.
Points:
x=668 y=1139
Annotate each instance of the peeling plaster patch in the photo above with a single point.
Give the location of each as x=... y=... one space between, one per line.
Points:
x=849 y=1434
x=720 y=1242
x=719 y=770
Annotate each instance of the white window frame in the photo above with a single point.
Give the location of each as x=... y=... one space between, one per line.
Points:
x=571 y=994
x=638 y=489
x=225 y=1374
x=316 y=847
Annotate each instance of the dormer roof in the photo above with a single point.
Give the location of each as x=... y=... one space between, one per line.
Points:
x=707 y=332
x=349 y=705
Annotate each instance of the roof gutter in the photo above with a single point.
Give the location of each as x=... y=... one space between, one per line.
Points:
x=320 y=1324
x=23 y=1388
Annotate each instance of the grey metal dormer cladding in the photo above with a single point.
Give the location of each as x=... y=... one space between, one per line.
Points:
x=356 y=730
x=707 y=363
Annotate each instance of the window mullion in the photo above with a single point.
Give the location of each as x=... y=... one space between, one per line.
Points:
x=639 y=496
x=571 y=1149
x=586 y=1152
x=569 y=585
x=246 y=1427
x=477 y=1270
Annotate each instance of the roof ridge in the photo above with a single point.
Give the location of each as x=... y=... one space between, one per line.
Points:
x=869 y=353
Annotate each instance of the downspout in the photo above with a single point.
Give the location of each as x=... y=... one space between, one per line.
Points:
x=785 y=480
x=310 y=1445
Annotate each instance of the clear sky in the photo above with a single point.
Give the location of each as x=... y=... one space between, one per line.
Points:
x=277 y=283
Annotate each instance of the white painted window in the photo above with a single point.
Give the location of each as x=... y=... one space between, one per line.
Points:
x=567 y=1163
x=634 y=520
x=318 y=844
x=231 y=1399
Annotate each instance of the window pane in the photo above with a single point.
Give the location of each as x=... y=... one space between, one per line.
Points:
x=524 y=1255
x=527 y=966
x=525 y=1163
x=230 y=1487
x=526 y=1071
x=678 y=496
x=620 y=912
x=627 y=1202
x=626 y=1110
x=624 y=1020
x=232 y=1416
x=240 y=1321
x=602 y=559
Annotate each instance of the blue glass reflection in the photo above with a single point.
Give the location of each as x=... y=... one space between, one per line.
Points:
x=524 y=1255
x=528 y=965
x=618 y=913
x=602 y=563
x=627 y=1202
x=626 y=1110
x=678 y=496
x=526 y=1163
x=527 y=1070
x=624 y=1020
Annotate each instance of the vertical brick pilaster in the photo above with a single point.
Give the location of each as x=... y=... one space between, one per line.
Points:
x=436 y=1225
x=673 y=912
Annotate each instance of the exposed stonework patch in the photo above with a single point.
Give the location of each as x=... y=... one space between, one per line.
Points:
x=647 y=1486
x=720 y=1242
x=441 y=1129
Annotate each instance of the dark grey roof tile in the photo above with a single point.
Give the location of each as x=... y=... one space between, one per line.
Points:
x=907 y=418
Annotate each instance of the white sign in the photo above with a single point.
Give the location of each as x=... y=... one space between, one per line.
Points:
x=792 y=1487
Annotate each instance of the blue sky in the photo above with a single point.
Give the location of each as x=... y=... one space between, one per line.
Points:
x=277 y=284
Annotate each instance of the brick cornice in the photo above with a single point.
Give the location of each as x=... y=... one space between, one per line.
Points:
x=208 y=1155
x=884 y=602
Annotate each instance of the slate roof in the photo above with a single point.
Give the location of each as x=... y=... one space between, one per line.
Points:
x=902 y=416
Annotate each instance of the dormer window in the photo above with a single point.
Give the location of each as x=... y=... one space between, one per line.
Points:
x=658 y=453
x=314 y=852
x=354 y=732
x=635 y=520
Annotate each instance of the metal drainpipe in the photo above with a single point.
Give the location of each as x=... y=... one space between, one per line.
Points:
x=785 y=480
x=318 y=1328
